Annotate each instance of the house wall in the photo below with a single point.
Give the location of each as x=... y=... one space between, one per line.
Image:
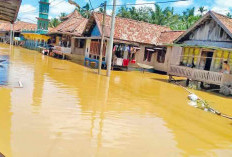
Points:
x=95 y=32
x=139 y=57
x=75 y=50
x=209 y=34
x=80 y=53
x=157 y=66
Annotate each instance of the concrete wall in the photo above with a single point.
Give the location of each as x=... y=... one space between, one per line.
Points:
x=157 y=66
x=75 y=50
x=140 y=56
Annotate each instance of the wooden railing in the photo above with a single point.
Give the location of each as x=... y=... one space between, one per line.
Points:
x=199 y=75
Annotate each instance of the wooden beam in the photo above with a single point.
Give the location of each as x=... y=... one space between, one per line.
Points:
x=7 y=9
x=6 y=14
x=11 y=6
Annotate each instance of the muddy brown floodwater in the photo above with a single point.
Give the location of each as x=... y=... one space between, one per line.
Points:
x=66 y=110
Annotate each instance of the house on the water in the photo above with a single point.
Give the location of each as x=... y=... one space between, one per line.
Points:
x=18 y=27
x=134 y=42
x=200 y=52
x=72 y=26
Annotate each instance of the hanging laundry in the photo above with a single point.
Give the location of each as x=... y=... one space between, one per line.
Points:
x=125 y=55
x=119 y=61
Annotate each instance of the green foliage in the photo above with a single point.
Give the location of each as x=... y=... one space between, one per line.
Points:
x=62 y=15
x=229 y=15
x=85 y=11
x=202 y=10
x=54 y=22
x=160 y=16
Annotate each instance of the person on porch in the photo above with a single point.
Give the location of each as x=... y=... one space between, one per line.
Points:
x=226 y=68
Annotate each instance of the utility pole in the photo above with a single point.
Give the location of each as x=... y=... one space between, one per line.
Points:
x=102 y=39
x=11 y=33
x=109 y=55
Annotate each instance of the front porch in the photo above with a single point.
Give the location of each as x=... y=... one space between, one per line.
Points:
x=209 y=77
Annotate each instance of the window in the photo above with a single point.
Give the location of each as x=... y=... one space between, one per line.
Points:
x=190 y=56
x=161 y=56
x=82 y=43
x=79 y=43
x=148 y=54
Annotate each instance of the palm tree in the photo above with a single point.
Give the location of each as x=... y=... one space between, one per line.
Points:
x=62 y=15
x=229 y=15
x=54 y=22
x=202 y=10
x=85 y=11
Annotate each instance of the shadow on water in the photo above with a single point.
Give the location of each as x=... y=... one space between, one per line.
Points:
x=4 y=69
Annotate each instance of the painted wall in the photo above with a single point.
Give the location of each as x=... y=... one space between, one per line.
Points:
x=95 y=32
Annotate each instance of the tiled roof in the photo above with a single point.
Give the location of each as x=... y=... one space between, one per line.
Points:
x=18 y=26
x=168 y=37
x=131 y=30
x=74 y=25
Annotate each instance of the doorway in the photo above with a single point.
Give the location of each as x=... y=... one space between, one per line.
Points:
x=208 y=59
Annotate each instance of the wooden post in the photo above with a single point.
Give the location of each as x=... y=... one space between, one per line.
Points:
x=11 y=29
x=13 y=35
x=102 y=40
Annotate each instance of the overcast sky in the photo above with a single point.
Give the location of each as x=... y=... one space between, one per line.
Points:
x=29 y=8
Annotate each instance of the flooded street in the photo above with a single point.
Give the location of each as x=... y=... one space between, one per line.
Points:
x=66 y=110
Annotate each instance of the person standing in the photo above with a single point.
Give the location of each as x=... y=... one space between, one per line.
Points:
x=226 y=68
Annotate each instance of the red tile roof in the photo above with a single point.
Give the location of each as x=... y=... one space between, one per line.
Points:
x=18 y=26
x=132 y=30
x=168 y=37
x=74 y=25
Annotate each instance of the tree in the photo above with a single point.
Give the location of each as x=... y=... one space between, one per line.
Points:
x=229 y=15
x=202 y=10
x=85 y=11
x=54 y=22
x=61 y=17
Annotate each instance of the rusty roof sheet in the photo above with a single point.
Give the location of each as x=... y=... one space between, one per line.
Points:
x=131 y=30
x=168 y=37
x=18 y=26
x=74 y=25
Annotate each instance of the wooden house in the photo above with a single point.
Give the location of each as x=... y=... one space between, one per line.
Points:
x=72 y=26
x=135 y=42
x=200 y=52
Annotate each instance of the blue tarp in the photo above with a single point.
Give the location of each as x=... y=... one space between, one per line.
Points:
x=4 y=69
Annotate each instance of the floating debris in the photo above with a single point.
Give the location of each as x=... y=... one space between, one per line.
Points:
x=199 y=103
x=20 y=84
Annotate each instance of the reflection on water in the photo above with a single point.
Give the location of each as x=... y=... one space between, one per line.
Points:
x=4 y=64
x=74 y=112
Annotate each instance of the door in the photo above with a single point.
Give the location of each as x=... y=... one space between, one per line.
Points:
x=208 y=56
